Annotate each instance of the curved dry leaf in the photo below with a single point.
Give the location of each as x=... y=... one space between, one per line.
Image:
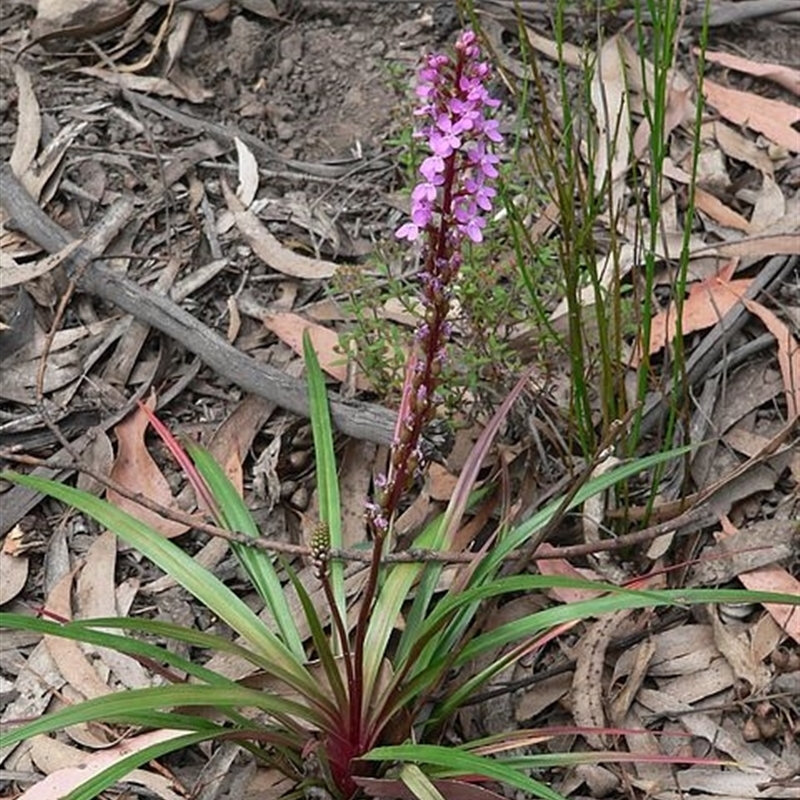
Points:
x=43 y=168
x=77 y=18
x=136 y=470
x=35 y=684
x=269 y=249
x=770 y=117
x=182 y=88
x=14 y=570
x=68 y=767
x=784 y=76
x=587 y=681
x=562 y=567
x=22 y=273
x=739 y=655
x=289 y=328
x=772 y=244
x=95 y=596
x=769 y=208
x=263 y=8
x=708 y=302
x=739 y=147
x=775 y=579
x=788 y=353
x=248 y=173
x=182 y=22
x=612 y=112
x=78 y=672
x=29 y=123
x=100 y=456
x=710 y=204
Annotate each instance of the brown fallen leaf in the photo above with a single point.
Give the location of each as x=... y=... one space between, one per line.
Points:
x=772 y=244
x=609 y=91
x=29 y=124
x=95 y=597
x=771 y=117
x=269 y=249
x=14 y=570
x=784 y=76
x=707 y=304
x=587 y=680
x=355 y=476
x=773 y=579
x=739 y=147
x=737 y=652
x=289 y=328
x=710 y=204
x=187 y=89
x=136 y=470
x=788 y=354
x=22 y=273
x=73 y=664
x=68 y=767
x=35 y=684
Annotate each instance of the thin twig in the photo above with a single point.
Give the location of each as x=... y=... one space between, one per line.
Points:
x=690 y=521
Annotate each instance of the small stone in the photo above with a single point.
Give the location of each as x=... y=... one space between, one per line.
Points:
x=284 y=131
x=299 y=499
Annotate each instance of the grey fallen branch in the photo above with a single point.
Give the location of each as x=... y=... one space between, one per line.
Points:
x=360 y=420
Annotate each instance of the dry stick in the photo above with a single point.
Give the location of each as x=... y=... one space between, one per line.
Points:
x=360 y=420
x=97 y=241
x=689 y=522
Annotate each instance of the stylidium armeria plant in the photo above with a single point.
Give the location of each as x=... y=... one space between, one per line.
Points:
x=335 y=708
x=447 y=206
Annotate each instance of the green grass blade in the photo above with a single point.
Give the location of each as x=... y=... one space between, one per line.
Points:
x=327 y=474
x=138 y=702
x=527 y=627
x=419 y=783
x=518 y=536
x=391 y=596
x=84 y=631
x=321 y=644
x=203 y=585
x=258 y=564
x=455 y=762
x=628 y=599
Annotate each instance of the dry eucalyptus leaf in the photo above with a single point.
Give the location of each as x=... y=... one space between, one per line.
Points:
x=610 y=102
x=269 y=249
x=35 y=684
x=248 y=173
x=771 y=117
x=69 y=17
x=68 y=767
x=29 y=124
x=136 y=470
x=14 y=570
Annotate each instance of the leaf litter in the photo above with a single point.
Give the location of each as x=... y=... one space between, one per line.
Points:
x=688 y=677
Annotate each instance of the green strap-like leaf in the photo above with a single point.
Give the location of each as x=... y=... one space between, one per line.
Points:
x=455 y=762
x=258 y=564
x=198 y=581
x=327 y=473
